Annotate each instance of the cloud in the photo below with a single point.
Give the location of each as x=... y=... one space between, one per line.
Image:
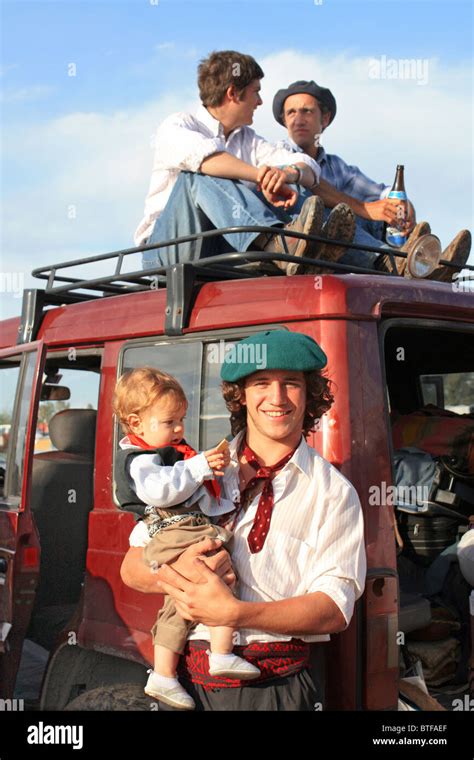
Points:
x=6 y=67
x=164 y=46
x=75 y=185
x=383 y=122
x=26 y=94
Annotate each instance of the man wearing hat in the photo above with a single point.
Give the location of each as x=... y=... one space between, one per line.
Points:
x=306 y=109
x=208 y=171
x=298 y=541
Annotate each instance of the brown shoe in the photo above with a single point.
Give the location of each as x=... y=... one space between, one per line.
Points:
x=309 y=221
x=458 y=253
x=340 y=225
x=384 y=263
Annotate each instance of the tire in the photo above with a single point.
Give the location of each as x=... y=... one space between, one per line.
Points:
x=125 y=697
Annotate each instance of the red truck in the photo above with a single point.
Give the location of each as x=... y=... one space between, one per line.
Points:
x=400 y=352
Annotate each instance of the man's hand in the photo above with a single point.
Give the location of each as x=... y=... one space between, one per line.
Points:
x=210 y=551
x=384 y=210
x=209 y=601
x=273 y=183
x=137 y=575
x=411 y=217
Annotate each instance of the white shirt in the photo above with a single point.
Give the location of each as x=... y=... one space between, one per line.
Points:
x=159 y=485
x=315 y=541
x=184 y=140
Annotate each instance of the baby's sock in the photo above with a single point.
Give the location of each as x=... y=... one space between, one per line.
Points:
x=222 y=660
x=165 y=682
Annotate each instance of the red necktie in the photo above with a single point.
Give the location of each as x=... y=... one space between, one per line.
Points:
x=212 y=485
x=261 y=523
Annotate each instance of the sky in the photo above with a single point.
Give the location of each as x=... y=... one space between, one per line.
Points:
x=85 y=84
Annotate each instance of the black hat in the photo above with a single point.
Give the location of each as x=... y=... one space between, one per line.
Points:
x=322 y=95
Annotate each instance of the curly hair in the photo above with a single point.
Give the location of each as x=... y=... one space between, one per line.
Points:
x=319 y=399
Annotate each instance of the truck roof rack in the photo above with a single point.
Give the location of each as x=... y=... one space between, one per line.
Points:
x=181 y=279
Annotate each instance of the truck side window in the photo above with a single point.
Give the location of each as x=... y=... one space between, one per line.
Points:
x=81 y=385
x=197 y=366
x=183 y=361
x=214 y=422
x=16 y=378
x=456 y=391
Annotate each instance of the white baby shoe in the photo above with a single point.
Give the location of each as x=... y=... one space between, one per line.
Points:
x=169 y=691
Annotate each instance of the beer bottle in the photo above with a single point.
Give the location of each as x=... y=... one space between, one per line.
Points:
x=395 y=235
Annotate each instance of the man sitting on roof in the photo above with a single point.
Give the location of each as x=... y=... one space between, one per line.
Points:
x=306 y=109
x=209 y=167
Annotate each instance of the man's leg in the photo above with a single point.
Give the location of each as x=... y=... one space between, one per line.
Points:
x=199 y=203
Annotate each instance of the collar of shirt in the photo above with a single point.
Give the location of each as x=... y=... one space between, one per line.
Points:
x=299 y=462
x=213 y=125
x=321 y=158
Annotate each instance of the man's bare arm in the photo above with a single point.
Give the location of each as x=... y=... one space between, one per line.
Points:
x=312 y=613
x=136 y=574
x=212 y=603
x=384 y=210
x=227 y=166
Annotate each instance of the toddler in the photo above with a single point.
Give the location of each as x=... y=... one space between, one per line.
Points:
x=173 y=489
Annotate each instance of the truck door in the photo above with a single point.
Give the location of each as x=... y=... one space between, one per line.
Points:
x=19 y=546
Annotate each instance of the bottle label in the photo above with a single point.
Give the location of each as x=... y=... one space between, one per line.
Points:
x=395 y=235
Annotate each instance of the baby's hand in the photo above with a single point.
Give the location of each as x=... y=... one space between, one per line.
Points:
x=218 y=458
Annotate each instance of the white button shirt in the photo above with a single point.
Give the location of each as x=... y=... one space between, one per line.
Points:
x=184 y=140
x=315 y=541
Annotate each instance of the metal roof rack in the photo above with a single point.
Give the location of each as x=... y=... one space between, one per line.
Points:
x=180 y=279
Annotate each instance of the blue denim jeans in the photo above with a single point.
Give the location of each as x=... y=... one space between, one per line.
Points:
x=199 y=203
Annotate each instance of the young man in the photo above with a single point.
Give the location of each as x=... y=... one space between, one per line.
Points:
x=298 y=547
x=306 y=109
x=209 y=166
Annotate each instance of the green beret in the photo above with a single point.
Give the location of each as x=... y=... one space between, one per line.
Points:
x=272 y=349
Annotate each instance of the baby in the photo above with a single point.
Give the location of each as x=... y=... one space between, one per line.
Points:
x=173 y=489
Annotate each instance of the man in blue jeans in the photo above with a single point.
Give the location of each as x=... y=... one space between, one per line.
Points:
x=305 y=109
x=211 y=170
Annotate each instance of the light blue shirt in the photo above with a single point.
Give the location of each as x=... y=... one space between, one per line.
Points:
x=345 y=178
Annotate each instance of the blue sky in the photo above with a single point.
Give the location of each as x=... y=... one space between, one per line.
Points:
x=84 y=141
x=111 y=42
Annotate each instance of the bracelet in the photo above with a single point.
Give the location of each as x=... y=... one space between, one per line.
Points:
x=297 y=169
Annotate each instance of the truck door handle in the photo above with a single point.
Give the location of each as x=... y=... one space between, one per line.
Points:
x=3 y=565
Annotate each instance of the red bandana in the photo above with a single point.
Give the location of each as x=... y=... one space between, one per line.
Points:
x=212 y=485
x=261 y=523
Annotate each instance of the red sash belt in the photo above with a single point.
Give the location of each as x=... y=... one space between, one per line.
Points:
x=274 y=659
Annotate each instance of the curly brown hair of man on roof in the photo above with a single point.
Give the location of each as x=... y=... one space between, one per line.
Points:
x=222 y=69
x=319 y=399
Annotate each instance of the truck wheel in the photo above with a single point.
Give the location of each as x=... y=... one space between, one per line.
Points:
x=127 y=697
